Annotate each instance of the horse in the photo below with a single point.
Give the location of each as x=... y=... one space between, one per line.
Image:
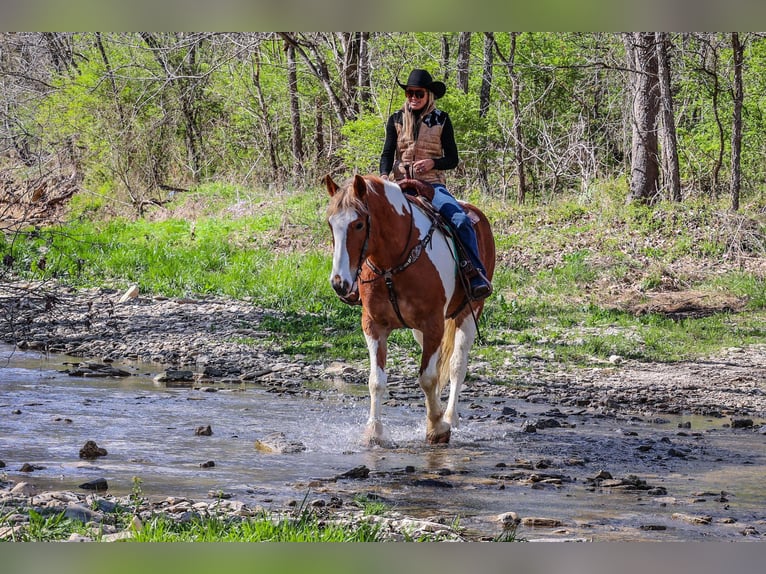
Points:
x=391 y=257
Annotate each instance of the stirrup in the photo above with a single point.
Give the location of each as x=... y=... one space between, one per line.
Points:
x=481 y=291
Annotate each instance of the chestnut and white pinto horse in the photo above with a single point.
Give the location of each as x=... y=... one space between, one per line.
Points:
x=388 y=255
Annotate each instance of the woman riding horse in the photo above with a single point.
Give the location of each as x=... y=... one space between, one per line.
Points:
x=420 y=144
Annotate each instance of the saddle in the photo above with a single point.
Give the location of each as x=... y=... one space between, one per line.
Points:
x=422 y=193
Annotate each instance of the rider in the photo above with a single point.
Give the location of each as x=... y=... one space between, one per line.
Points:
x=420 y=143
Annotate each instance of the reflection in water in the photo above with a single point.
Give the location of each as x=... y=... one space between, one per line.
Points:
x=148 y=430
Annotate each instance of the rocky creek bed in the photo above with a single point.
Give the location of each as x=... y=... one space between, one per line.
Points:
x=668 y=420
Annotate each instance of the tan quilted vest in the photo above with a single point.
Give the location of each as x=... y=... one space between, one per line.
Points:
x=427 y=146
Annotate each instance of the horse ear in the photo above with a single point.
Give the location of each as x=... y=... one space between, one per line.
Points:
x=332 y=187
x=360 y=186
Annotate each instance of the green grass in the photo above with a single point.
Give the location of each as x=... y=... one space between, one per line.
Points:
x=306 y=527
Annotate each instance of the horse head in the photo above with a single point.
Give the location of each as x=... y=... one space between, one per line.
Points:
x=349 y=223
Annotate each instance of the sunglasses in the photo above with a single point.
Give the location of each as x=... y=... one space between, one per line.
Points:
x=415 y=93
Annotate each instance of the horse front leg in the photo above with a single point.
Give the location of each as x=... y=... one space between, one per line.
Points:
x=374 y=433
x=437 y=429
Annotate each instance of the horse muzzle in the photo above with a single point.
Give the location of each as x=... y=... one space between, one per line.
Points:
x=349 y=294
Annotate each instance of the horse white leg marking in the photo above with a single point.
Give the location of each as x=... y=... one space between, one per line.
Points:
x=378 y=380
x=437 y=430
x=464 y=338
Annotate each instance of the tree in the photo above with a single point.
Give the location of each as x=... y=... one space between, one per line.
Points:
x=738 y=53
x=671 y=170
x=295 y=113
x=518 y=146
x=463 y=61
x=642 y=63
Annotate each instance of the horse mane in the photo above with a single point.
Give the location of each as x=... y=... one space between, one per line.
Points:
x=345 y=199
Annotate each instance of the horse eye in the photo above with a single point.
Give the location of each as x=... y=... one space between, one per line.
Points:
x=359 y=225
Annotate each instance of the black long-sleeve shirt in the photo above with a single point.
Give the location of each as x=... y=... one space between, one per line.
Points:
x=448 y=161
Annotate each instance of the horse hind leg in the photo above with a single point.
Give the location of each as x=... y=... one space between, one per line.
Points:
x=458 y=365
x=437 y=429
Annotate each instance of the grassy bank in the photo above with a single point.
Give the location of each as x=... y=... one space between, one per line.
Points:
x=578 y=278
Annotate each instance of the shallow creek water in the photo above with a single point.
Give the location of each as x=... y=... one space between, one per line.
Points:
x=46 y=416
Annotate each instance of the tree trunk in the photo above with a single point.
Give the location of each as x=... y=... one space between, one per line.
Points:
x=295 y=112
x=365 y=86
x=672 y=173
x=265 y=120
x=463 y=61
x=486 y=76
x=738 y=50
x=517 y=141
x=318 y=67
x=445 y=56
x=644 y=175
x=518 y=147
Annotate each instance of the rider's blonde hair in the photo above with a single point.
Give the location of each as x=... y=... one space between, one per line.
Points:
x=408 y=117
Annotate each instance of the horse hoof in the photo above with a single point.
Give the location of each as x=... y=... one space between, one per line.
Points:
x=441 y=438
x=374 y=436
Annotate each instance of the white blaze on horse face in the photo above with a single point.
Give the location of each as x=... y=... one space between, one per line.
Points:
x=341 y=265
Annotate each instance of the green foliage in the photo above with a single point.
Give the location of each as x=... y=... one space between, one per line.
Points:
x=305 y=528
x=362 y=143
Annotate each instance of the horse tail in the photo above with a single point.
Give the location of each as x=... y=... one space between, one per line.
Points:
x=445 y=356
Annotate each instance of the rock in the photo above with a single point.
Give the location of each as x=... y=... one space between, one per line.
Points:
x=432 y=482
x=653 y=527
x=742 y=423
x=75 y=537
x=24 y=489
x=98 y=484
x=277 y=443
x=692 y=518
x=81 y=513
x=26 y=467
x=615 y=359
x=538 y=522
x=356 y=472
x=203 y=431
x=208 y=464
x=91 y=450
x=96 y=370
x=508 y=519
x=175 y=378
x=131 y=293
x=117 y=536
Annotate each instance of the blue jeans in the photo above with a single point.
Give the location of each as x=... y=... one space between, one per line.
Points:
x=451 y=211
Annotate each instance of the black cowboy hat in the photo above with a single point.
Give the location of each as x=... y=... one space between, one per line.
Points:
x=422 y=79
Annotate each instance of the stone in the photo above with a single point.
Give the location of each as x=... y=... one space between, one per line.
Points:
x=692 y=518
x=24 y=489
x=98 y=484
x=203 y=431
x=81 y=513
x=131 y=293
x=278 y=443
x=742 y=423
x=540 y=522
x=356 y=472
x=508 y=519
x=91 y=450
x=175 y=378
